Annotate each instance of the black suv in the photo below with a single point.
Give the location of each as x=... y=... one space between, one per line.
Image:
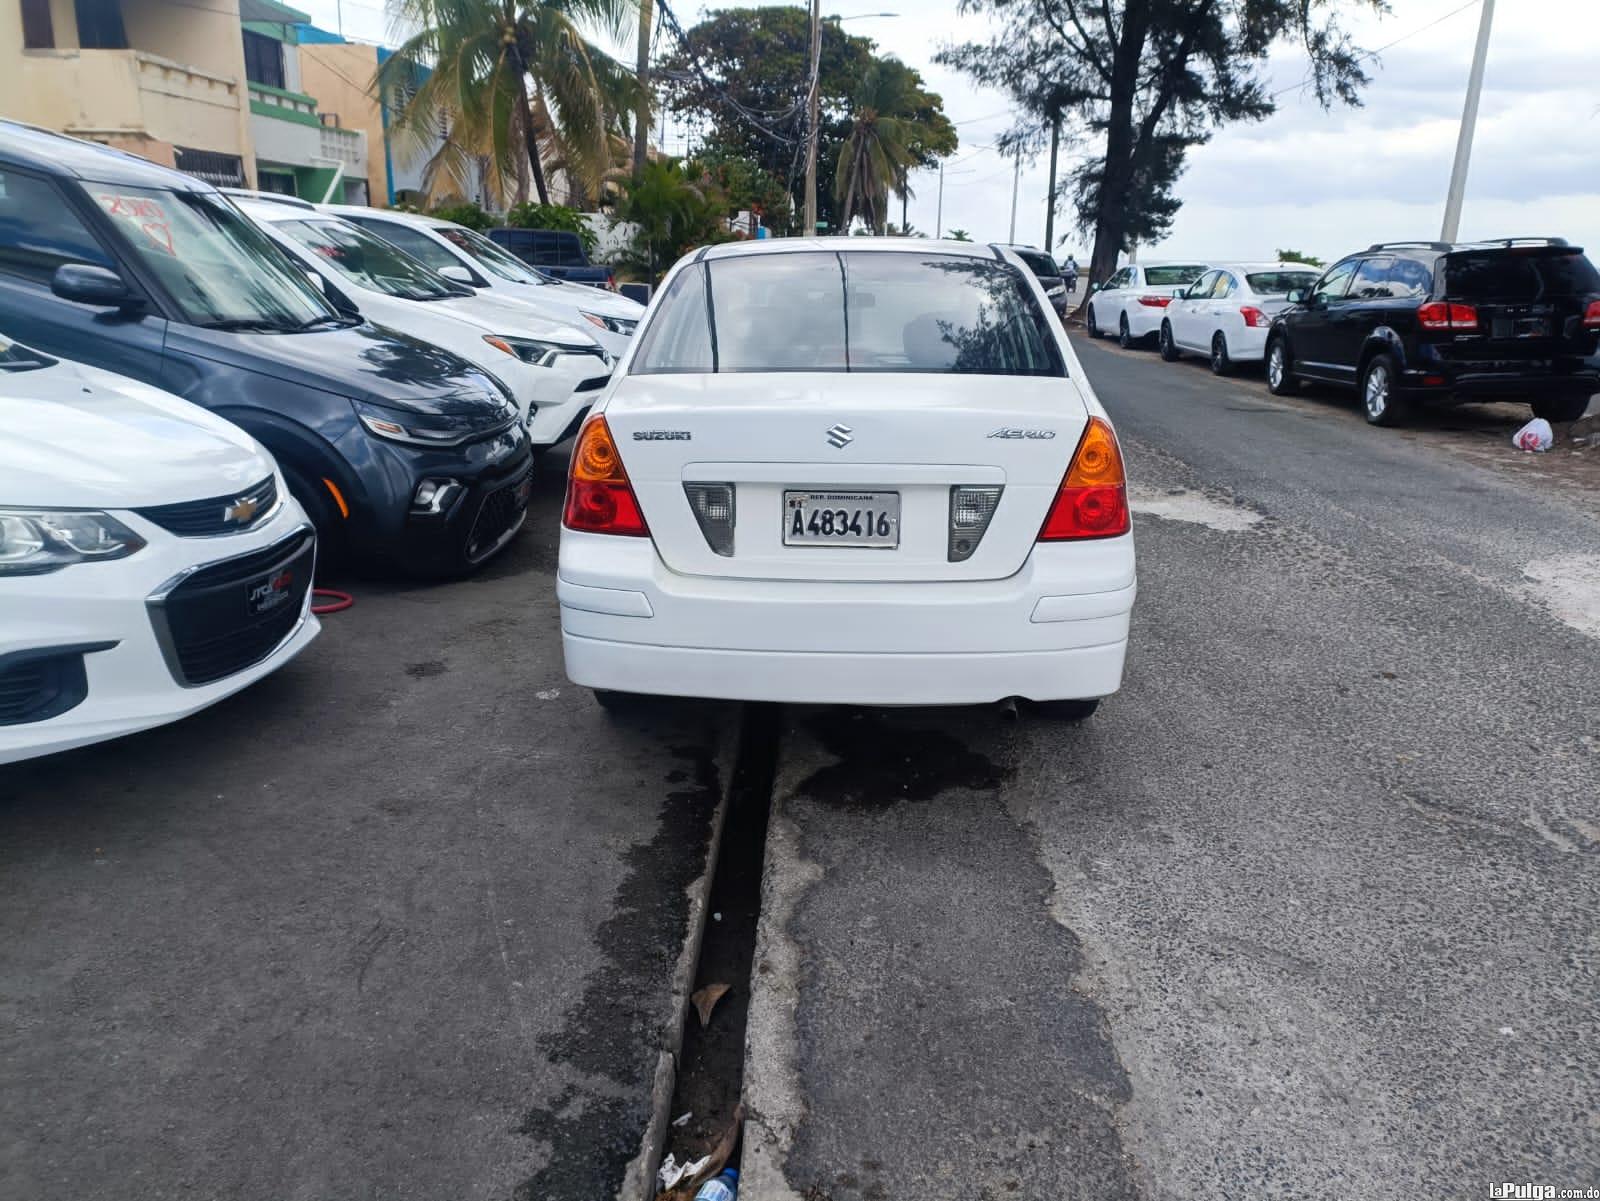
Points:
x=399 y=451
x=1404 y=322
x=1048 y=272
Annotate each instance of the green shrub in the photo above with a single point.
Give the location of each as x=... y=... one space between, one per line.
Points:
x=469 y=214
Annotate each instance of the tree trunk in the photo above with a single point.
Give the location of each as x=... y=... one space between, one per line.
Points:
x=530 y=134
x=642 y=118
x=1121 y=144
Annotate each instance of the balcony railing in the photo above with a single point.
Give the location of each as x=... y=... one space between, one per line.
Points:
x=348 y=146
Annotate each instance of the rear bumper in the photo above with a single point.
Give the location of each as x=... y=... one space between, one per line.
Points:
x=1058 y=629
x=1144 y=320
x=1501 y=379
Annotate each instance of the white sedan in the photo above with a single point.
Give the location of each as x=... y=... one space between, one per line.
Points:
x=1133 y=300
x=466 y=256
x=1225 y=314
x=152 y=560
x=553 y=370
x=864 y=471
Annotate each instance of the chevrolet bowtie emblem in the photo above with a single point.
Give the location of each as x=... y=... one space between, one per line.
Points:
x=241 y=510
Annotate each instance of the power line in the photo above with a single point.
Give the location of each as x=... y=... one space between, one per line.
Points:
x=1371 y=54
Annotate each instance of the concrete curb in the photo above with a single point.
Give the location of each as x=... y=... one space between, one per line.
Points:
x=639 y=1180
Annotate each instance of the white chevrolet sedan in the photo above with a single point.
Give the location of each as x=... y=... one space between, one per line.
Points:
x=152 y=560
x=856 y=470
x=1225 y=314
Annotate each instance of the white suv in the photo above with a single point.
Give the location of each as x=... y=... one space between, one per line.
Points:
x=1135 y=298
x=466 y=256
x=152 y=560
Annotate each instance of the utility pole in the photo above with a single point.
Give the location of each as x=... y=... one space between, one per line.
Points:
x=641 y=120
x=938 y=220
x=1050 y=213
x=1016 y=182
x=1469 y=123
x=813 y=104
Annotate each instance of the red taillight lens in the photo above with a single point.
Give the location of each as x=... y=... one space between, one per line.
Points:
x=1092 y=501
x=1591 y=315
x=599 y=498
x=1155 y=302
x=1254 y=317
x=1438 y=314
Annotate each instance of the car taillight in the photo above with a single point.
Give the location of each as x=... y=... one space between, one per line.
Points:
x=1591 y=315
x=1439 y=314
x=1092 y=501
x=600 y=499
x=611 y=281
x=1155 y=302
x=1254 y=317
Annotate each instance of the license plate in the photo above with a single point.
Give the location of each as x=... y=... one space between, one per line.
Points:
x=841 y=519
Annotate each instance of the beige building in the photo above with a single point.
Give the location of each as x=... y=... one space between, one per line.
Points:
x=340 y=75
x=164 y=80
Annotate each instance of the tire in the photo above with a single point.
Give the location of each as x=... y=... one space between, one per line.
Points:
x=333 y=544
x=1380 y=402
x=622 y=704
x=1281 y=380
x=1090 y=325
x=1556 y=409
x=1164 y=343
x=1221 y=364
x=1124 y=336
x=1067 y=711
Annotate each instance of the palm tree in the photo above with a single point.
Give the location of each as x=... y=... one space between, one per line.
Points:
x=513 y=80
x=958 y=235
x=879 y=151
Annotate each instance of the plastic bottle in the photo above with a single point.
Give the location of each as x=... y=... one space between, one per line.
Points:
x=724 y=1188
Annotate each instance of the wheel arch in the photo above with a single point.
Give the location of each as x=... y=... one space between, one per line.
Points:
x=1381 y=340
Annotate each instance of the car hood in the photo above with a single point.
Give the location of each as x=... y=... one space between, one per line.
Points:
x=76 y=437
x=508 y=316
x=594 y=300
x=366 y=362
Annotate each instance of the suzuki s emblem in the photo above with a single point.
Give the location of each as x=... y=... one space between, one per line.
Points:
x=840 y=436
x=241 y=510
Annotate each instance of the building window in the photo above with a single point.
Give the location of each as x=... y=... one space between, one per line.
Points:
x=220 y=170
x=100 y=25
x=263 y=60
x=281 y=182
x=37 y=31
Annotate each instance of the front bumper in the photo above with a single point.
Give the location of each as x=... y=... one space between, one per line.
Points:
x=135 y=682
x=1058 y=629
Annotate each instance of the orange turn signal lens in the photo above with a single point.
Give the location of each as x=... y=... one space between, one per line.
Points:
x=1098 y=460
x=596 y=458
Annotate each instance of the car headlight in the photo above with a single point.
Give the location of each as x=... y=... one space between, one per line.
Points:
x=441 y=430
x=34 y=541
x=615 y=325
x=532 y=350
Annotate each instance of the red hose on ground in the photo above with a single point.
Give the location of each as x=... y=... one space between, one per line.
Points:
x=340 y=602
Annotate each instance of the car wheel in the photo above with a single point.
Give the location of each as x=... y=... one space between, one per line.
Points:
x=1090 y=325
x=1561 y=408
x=1221 y=364
x=1380 y=399
x=1124 y=337
x=1280 y=380
x=1068 y=711
x=1169 y=348
x=621 y=704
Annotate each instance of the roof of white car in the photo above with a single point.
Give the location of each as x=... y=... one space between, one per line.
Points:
x=418 y=220
x=728 y=250
x=1248 y=267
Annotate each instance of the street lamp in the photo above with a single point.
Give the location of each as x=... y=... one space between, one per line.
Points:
x=813 y=105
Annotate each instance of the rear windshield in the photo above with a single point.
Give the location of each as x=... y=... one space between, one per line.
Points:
x=1038 y=262
x=856 y=311
x=1279 y=283
x=1171 y=277
x=1510 y=275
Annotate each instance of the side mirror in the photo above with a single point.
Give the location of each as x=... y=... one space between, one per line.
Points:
x=1297 y=296
x=457 y=275
x=1180 y=293
x=87 y=284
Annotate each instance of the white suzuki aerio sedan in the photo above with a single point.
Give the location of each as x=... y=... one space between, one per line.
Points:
x=864 y=471
x=152 y=560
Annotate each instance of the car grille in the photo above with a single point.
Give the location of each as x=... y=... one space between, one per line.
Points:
x=218 y=514
x=231 y=615
x=501 y=513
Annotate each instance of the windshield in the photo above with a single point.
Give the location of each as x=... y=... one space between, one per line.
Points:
x=218 y=267
x=859 y=311
x=369 y=261
x=14 y=356
x=506 y=266
x=1171 y=277
x=1513 y=275
x=1038 y=262
x=1280 y=283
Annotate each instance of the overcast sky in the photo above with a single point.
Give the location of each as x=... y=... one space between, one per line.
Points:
x=1324 y=182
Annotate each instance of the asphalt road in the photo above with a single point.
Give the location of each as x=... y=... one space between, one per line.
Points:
x=400 y=922
x=1307 y=911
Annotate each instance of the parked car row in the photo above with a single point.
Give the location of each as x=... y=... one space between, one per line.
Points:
x=1402 y=323
x=202 y=395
